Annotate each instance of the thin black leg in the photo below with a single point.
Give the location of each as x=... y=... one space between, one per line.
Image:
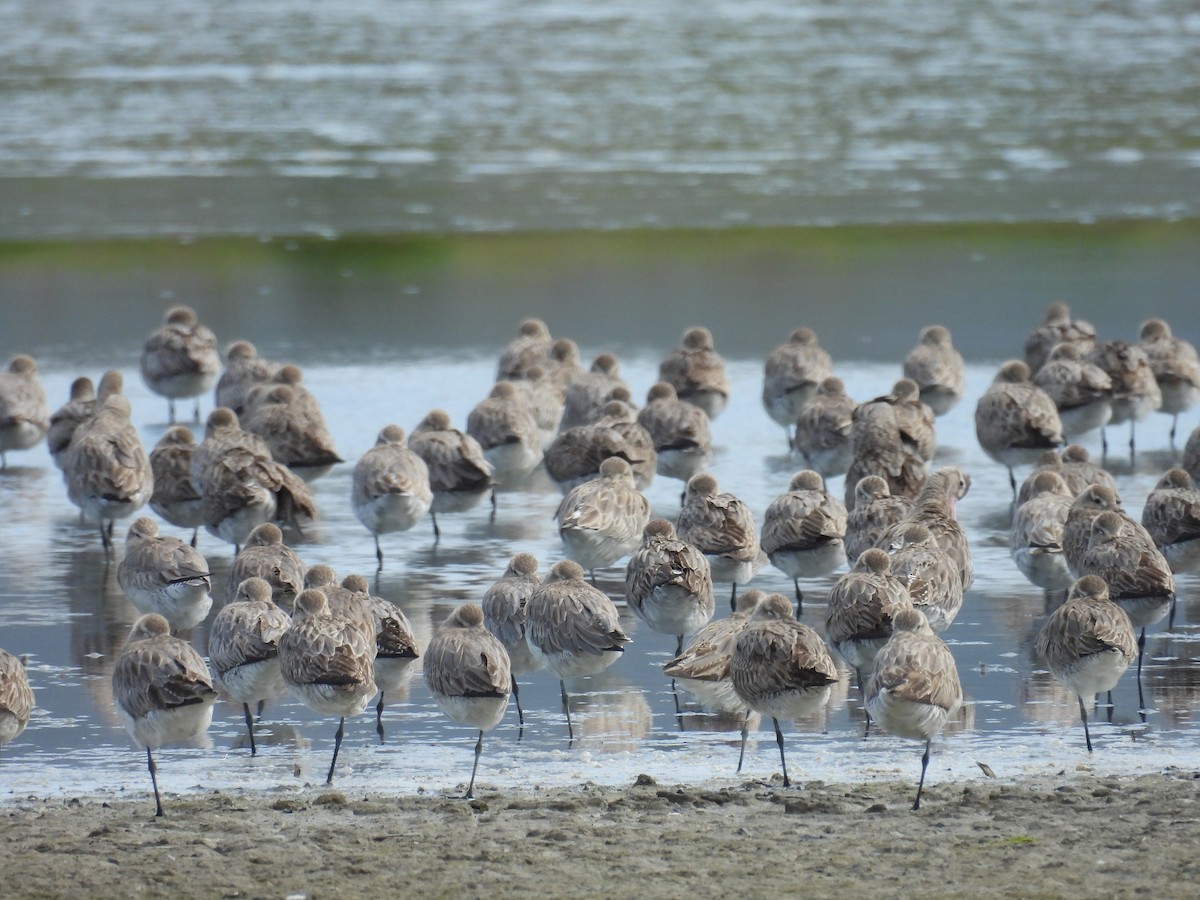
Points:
x=379 y=717
x=1083 y=715
x=437 y=532
x=921 y=783
x=1141 y=652
x=250 y=728
x=158 y=810
x=378 y=552
x=478 y=752
x=745 y=734
x=517 y=699
x=562 y=685
x=337 y=745
x=782 y=758
x=171 y=410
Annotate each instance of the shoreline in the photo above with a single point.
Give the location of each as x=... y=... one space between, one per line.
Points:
x=1034 y=836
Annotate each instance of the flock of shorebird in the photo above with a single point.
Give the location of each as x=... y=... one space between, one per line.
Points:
x=335 y=646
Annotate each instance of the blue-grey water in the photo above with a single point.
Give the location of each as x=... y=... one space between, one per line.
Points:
x=129 y=117
x=381 y=191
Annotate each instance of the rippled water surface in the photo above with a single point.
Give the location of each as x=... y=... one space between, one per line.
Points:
x=303 y=116
x=60 y=603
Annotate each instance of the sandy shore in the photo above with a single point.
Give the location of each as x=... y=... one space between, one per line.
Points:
x=1081 y=834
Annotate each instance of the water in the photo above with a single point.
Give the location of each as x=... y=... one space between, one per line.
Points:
x=126 y=118
x=60 y=604
x=380 y=192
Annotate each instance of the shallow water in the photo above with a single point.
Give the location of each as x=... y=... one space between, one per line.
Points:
x=60 y=604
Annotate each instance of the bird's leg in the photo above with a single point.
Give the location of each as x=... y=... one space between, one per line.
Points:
x=782 y=758
x=921 y=784
x=171 y=410
x=1103 y=443
x=158 y=810
x=799 y=597
x=379 y=717
x=1141 y=652
x=478 y=751
x=1083 y=715
x=1012 y=480
x=1132 y=448
x=733 y=598
x=195 y=535
x=492 y=518
x=378 y=552
x=437 y=532
x=745 y=734
x=337 y=745
x=250 y=728
x=517 y=698
x=562 y=686
x=196 y=410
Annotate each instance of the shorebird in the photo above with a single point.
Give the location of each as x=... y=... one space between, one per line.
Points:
x=702 y=667
x=914 y=419
x=573 y=629
x=928 y=574
x=879 y=449
x=294 y=431
x=241 y=483
x=467 y=671
x=875 y=510
x=530 y=348
x=64 y=420
x=668 y=583
x=1077 y=530
x=508 y=433
x=575 y=455
x=391 y=490
x=1087 y=643
x=862 y=605
x=244 y=368
x=1176 y=367
x=24 y=412
x=937 y=368
x=1082 y=391
x=589 y=391
x=1074 y=466
x=164 y=575
x=823 y=429
x=1036 y=537
x=1135 y=389
x=175 y=497
x=1058 y=327
x=1139 y=578
x=781 y=668
x=1191 y=454
x=721 y=527
x=1015 y=420
x=913 y=689
x=1171 y=515
x=602 y=520
x=504 y=615
x=697 y=372
x=791 y=374
x=545 y=399
x=395 y=644
x=180 y=359
x=16 y=697
x=459 y=474
x=162 y=690
x=562 y=365
x=108 y=474
x=327 y=662
x=804 y=531
x=243 y=648
x=679 y=432
x=936 y=508
x=265 y=556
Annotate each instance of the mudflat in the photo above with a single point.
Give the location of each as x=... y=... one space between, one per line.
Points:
x=1080 y=833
